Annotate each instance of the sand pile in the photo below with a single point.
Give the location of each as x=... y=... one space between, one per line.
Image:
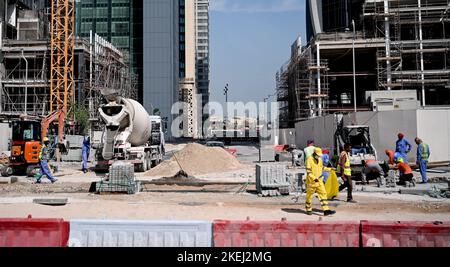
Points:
x=196 y=159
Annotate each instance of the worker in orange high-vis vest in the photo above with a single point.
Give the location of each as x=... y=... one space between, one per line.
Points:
x=345 y=170
x=314 y=183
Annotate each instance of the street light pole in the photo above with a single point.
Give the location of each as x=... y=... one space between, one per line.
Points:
x=226 y=93
x=354 y=68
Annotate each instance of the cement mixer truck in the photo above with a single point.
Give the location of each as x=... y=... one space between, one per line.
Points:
x=130 y=134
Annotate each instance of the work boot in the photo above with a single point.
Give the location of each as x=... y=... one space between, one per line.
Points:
x=329 y=212
x=309 y=212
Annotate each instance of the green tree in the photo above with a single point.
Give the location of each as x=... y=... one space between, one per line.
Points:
x=82 y=118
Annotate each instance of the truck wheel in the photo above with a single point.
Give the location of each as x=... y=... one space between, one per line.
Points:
x=140 y=167
x=149 y=162
x=6 y=171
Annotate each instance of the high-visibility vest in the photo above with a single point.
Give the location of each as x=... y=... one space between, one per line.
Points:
x=347 y=168
x=43 y=154
x=425 y=155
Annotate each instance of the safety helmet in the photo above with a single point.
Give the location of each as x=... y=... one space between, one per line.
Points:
x=318 y=151
x=46 y=139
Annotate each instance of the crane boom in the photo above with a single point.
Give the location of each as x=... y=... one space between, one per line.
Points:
x=62 y=63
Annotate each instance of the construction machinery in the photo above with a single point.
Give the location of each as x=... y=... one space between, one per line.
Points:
x=27 y=134
x=359 y=138
x=331 y=133
x=130 y=135
x=25 y=146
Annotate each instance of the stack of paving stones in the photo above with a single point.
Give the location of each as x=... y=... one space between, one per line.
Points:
x=120 y=179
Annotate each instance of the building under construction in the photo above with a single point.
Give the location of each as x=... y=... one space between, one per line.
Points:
x=395 y=45
x=27 y=60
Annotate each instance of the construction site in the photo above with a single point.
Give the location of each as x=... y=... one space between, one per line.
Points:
x=80 y=148
x=43 y=73
x=397 y=45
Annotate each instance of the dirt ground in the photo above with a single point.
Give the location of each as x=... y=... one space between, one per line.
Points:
x=219 y=196
x=217 y=202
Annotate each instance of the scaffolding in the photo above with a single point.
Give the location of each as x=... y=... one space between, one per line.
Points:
x=416 y=50
x=282 y=94
x=303 y=87
x=397 y=45
x=25 y=76
x=108 y=75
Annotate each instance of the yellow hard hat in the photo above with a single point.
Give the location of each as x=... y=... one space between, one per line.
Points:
x=318 y=151
x=46 y=139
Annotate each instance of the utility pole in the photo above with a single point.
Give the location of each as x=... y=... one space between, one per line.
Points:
x=26 y=82
x=354 y=67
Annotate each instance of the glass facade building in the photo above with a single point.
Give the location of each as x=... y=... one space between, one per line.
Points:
x=119 y=22
x=202 y=57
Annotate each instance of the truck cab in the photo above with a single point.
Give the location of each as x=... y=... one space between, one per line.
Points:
x=157 y=137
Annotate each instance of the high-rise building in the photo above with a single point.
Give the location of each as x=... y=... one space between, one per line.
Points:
x=168 y=43
x=161 y=58
x=331 y=15
x=202 y=50
x=119 y=22
x=187 y=67
x=194 y=62
x=392 y=46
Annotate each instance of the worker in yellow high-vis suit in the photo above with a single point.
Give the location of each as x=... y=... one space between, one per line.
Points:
x=314 y=183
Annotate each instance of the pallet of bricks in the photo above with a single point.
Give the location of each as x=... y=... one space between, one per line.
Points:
x=272 y=180
x=120 y=179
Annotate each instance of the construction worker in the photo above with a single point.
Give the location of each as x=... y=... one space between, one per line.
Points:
x=423 y=154
x=43 y=162
x=85 y=150
x=373 y=171
x=346 y=172
x=309 y=150
x=390 y=154
x=403 y=147
x=297 y=156
x=406 y=174
x=314 y=184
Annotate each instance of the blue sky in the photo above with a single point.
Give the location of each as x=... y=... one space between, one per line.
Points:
x=250 y=40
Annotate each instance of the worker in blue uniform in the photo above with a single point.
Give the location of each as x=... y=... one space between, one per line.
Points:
x=43 y=162
x=403 y=147
x=423 y=155
x=85 y=153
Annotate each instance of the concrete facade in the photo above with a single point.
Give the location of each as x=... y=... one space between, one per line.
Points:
x=188 y=85
x=161 y=57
